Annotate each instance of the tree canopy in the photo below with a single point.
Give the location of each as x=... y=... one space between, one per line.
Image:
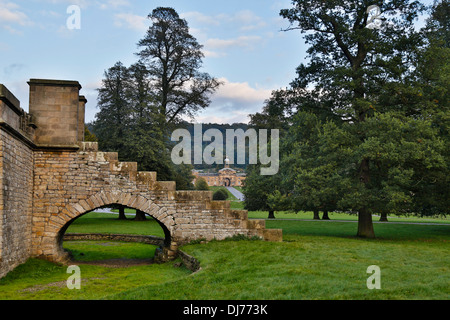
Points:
x=140 y=104
x=367 y=130
x=173 y=58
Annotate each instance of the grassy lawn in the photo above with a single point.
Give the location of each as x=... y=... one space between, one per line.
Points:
x=96 y=222
x=42 y=280
x=316 y=260
x=334 y=215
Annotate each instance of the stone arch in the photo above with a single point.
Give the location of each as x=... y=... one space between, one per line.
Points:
x=52 y=238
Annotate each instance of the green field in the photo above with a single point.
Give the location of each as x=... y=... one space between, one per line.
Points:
x=316 y=260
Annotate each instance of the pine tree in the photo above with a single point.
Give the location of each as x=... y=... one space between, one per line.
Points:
x=173 y=58
x=113 y=120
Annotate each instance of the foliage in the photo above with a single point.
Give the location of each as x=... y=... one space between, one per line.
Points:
x=220 y=194
x=139 y=105
x=112 y=120
x=88 y=135
x=366 y=136
x=259 y=189
x=201 y=184
x=173 y=58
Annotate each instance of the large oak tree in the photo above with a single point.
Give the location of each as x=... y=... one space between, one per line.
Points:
x=357 y=49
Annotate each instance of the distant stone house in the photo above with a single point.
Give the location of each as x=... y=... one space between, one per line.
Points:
x=226 y=177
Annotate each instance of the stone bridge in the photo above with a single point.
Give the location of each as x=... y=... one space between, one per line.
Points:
x=49 y=177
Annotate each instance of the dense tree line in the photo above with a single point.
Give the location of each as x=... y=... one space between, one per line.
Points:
x=365 y=124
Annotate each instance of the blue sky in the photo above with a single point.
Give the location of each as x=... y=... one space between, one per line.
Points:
x=243 y=46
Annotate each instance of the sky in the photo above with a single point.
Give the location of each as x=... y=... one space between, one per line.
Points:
x=244 y=47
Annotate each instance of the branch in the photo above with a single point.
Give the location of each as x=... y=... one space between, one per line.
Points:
x=341 y=44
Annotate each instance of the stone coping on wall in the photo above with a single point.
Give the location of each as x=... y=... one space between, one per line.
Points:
x=7 y=97
x=57 y=83
x=17 y=134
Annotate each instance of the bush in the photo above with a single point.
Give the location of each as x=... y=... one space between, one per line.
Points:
x=201 y=184
x=220 y=194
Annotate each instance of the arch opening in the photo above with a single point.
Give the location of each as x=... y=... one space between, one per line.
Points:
x=165 y=248
x=227 y=182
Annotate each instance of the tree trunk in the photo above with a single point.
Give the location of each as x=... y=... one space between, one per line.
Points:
x=316 y=214
x=383 y=217
x=122 y=213
x=365 y=225
x=325 y=215
x=140 y=216
x=271 y=214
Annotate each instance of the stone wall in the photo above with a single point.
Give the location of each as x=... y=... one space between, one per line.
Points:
x=16 y=172
x=69 y=184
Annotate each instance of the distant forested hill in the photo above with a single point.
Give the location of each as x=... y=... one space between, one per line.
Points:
x=205 y=127
x=222 y=128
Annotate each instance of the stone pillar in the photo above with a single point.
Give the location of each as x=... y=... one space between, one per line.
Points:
x=54 y=105
x=81 y=113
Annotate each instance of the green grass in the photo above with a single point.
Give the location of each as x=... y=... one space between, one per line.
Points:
x=42 y=280
x=96 y=222
x=103 y=250
x=316 y=260
x=339 y=216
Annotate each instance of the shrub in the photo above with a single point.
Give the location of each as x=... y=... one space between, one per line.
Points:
x=220 y=194
x=201 y=184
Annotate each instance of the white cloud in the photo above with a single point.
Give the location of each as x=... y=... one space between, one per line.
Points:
x=114 y=4
x=81 y=3
x=242 y=41
x=249 y=20
x=241 y=91
x=238 y=23
x=215 y=48
x=233 y=117
x=50 y=14
x=131 y=21
x=201 y=18
x=233 y=102
x=213 y=54
x=10 y=16
x=244 y=20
